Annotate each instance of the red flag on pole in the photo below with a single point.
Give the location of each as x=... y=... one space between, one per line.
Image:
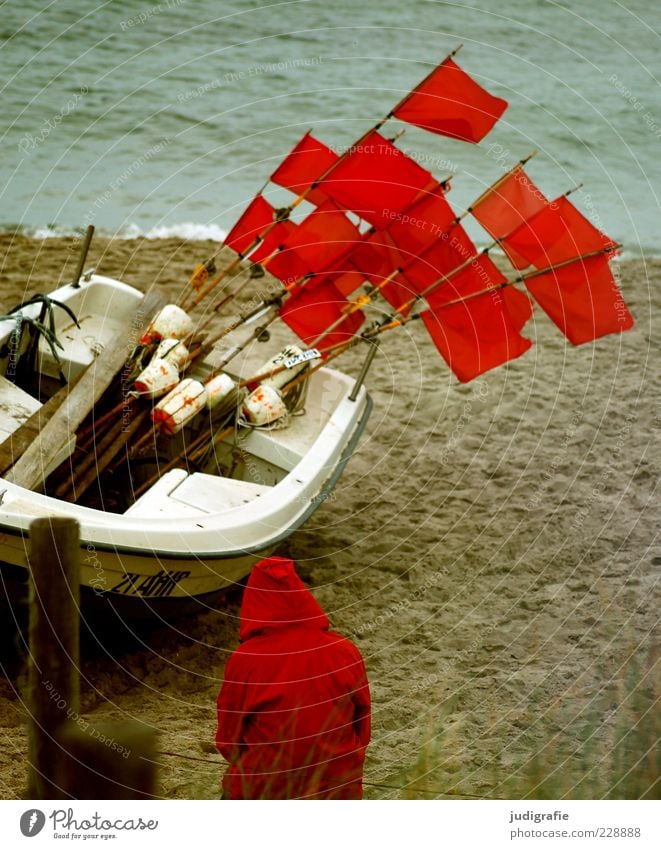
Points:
x=312 y=308
x=451 y=103
x=519 y=306
x=477 y=334
x=406 y=236
x=257 y=217
x=557 y=233
x=441 y=258
x=273 y=240
x=505 y=208
x=307 y=161
x=582 y=299
x=322 y=237
x=424 y=222
x=375 y=179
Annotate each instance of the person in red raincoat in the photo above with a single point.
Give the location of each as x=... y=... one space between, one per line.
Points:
x=294 y=707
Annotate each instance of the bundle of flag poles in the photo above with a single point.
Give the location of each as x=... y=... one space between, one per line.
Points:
x=380 y=218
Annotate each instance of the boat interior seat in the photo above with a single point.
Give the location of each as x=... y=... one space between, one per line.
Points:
x=179 y=494
x=156 y=501
x=214 y=494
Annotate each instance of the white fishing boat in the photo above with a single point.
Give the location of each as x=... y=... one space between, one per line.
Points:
x=196 y=528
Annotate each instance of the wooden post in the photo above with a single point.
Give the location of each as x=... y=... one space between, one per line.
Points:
x=107 y=760
x=54 y=665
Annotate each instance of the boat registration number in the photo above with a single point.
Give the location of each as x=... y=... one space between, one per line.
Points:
x=152 y=586
x=303 y=357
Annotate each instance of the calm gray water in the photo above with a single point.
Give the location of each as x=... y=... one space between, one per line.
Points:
x=167 y=117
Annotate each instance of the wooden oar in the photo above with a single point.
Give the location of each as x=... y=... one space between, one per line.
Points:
x=20 y=440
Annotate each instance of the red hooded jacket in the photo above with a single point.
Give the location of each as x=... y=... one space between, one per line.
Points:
x=294 y=707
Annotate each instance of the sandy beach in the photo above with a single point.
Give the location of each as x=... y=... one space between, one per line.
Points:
x=491 y=548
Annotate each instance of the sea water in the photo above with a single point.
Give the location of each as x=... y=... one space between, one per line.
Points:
x=162 y=118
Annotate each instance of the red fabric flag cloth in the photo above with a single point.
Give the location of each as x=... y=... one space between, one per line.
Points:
x=441 y=258
x=294 y=712
x=422 y=223
x=478 y=334
x=313 y=307
x=320 y=239
x=505 y=208
x=519 y=306
x=451 y=103
x=557 y=233
x=282 y=231
x=308 y=161
x=582 y=299
x=258 y=215
x=375 y=179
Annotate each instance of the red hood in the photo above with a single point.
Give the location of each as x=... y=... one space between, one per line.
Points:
x=275 y=597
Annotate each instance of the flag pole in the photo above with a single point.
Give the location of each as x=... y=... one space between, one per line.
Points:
x=286 y=211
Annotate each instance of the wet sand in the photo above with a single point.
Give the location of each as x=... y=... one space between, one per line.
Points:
x=491 y=548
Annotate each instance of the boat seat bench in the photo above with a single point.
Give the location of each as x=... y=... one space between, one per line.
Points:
x=179 y=494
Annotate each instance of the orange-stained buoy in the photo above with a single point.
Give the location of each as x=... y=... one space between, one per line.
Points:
x=159 y=377
x=182 y=404
x=218 y=388
x=170 y=323
x=264 y=406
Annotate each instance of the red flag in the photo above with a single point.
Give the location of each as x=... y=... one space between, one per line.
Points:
x=312 y=308
x=557 y=233
x=519 y=306
x=376 y=180
x=474 y=337
x=451 y=103
x=479 y=275
x=416 y=227
x=582 y=299
x=505 y=208
x=377 y=258
x=257 y=217
x=407 y=236
x=303 y=166
x=441 y=258
x=478 y=334
x=322 y=237
x=347 y=282
x=378 y=255
x=282 y=231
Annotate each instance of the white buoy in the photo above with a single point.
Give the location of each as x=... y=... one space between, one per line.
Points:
x=173 y=350
x=218 y=388
x=264 y=406
x=170 y=323
x=181 y=405
x=159 y=377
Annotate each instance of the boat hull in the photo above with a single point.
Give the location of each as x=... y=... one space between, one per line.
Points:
x=193 y=535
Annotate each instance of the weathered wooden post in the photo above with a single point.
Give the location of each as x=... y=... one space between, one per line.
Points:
x=54 y=634
x=107 y=760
